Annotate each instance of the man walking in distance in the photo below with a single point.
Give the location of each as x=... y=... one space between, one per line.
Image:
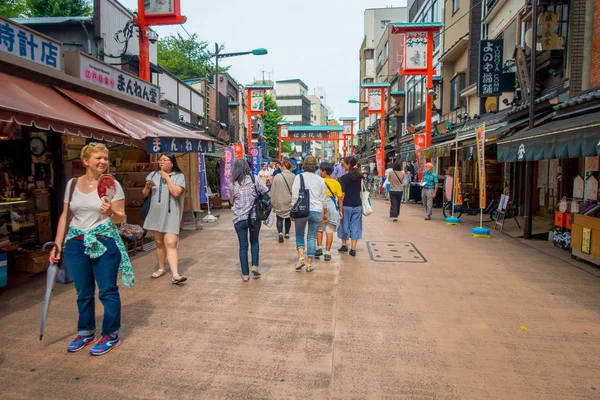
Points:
x=430 y=187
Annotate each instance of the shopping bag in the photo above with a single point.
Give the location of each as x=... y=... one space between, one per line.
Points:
x=270 y=220
x=365 y=198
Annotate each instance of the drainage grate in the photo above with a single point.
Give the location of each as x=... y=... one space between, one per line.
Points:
x=395 y=252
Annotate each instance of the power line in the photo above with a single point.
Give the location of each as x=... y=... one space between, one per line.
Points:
x=458 y=20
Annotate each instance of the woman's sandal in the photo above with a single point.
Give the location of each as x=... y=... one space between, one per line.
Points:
x=178 y=281
x=158 y=273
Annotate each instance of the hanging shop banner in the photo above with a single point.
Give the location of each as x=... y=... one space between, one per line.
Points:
x=178 y=145
x=91 y=70
x=415 y=51
x=375 y=100
x=226 y=171
x=490 y=68
x=30 y=45
x=256 y=160
x=378 y=158
x=458 y=199
x=201 y=178
x=238 y=150
x=284 y=131
x=257 y=98
x=480 y=138
x=522 y=72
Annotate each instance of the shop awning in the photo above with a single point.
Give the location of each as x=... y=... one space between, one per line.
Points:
x=161 y=135
x=33 y=104
x=567 y=138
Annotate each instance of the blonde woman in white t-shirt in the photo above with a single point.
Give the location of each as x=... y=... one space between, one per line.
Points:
x=94 y=252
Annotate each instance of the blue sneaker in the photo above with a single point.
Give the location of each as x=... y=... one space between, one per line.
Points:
x=106 y=344
x=80 y=342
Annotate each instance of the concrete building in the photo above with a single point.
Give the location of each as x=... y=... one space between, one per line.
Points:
x=376 y=21
x=294 y=104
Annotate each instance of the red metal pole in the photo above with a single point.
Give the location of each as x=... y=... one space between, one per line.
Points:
x=352 y=137
x=428 y=98
x=279 y=144
x=144 y=57
x=249 y=112
x=382 y=155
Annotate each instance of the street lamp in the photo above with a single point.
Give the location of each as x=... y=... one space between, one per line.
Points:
x=352 y=101
x=218 y=55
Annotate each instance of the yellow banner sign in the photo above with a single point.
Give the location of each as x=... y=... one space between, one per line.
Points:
x=480 y=137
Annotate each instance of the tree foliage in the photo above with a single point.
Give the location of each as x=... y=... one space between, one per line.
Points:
x=271 y=131
x=13 y=8
x=58 y=8
x=186 y=58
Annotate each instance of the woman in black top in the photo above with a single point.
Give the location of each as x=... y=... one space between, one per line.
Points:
x=351 y=223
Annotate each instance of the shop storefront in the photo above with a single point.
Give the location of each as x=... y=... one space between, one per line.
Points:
x=47 y=116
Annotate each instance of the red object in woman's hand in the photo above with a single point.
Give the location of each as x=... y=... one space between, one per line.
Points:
x=107 y=187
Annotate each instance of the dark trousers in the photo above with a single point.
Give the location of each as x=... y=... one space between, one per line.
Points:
x=86 y=273
x=288 y=225
x=395 y=200
x=242 y=228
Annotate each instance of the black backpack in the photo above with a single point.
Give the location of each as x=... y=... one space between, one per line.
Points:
x=262 y=204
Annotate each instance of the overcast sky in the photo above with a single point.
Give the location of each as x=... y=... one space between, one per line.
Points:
x=317 y=41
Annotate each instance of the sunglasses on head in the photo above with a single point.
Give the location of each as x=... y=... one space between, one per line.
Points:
x=94 y=144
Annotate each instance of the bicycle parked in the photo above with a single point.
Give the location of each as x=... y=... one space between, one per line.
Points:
x=469 y=208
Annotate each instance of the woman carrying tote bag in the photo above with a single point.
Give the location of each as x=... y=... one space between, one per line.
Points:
x=351 y=224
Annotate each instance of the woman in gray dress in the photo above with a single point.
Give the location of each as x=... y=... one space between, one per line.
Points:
x=167 y=188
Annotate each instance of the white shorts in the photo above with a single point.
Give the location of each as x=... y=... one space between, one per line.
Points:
x=327 y=227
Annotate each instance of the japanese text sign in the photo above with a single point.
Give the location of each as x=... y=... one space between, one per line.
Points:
x=347 y=128
x=257 y=101
x=480 y=138
x=522 y=72
x=23 y=42
x=308 y=135
x=256 y=160
x=159 y=7
x=375 y=100
x=284 y=131
x=178 y=145
x=201 y=178
x=490 y=68
x=238 y=150
x=101 y=74
x=415 y=51
x=226 y=172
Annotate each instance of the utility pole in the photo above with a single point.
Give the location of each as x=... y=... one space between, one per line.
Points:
x=527 y=226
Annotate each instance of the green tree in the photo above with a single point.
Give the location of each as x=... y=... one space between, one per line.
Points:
x=13 y=8
x=58 y=8
x=186 y=58
x=271 y=131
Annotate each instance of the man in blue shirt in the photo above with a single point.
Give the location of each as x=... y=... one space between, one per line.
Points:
x=430 y=187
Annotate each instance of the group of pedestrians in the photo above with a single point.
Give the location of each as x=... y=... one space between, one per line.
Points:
x=334 y=206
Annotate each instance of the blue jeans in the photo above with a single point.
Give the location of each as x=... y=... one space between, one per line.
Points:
x=351 y=224
x=86 y=273
x=242 y=228
x=314 y=221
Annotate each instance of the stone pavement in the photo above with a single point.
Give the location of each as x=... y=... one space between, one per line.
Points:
x=466 y=319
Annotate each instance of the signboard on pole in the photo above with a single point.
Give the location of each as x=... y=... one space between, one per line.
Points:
x=226 y=173
x=257 y=99
x=284 y=131
x=480 y=138
x=490 y=68
x=415 y=51
x=375 y=100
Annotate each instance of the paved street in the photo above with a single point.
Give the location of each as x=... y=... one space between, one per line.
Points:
x=464 y=319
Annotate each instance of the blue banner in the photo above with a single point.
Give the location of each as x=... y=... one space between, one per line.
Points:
x=177 y=145
x=256 y=160
x=201 y=179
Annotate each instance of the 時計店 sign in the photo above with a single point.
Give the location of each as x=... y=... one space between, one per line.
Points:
x=490 y=68
x=99 y=73
x=30 y=45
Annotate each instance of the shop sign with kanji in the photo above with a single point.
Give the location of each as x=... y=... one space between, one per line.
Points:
x=179 y=145
x=94 y=71
x=415 y=51
x=30 y=45
x=308 y=135
x=490 y=68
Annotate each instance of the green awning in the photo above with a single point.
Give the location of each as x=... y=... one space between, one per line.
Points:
x=560 y=139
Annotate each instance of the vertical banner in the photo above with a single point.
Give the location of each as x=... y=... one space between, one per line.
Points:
x=420 y=142
x=480 y=137
x=238 y=150
x=375 y=101
x=378 y=158
x=202 y=178
x=257 y=98
x=256 y=160
x=458 y=200
x=226 y=171
x=490 y=68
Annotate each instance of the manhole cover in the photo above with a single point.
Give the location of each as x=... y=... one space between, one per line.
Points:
x=395 y=252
